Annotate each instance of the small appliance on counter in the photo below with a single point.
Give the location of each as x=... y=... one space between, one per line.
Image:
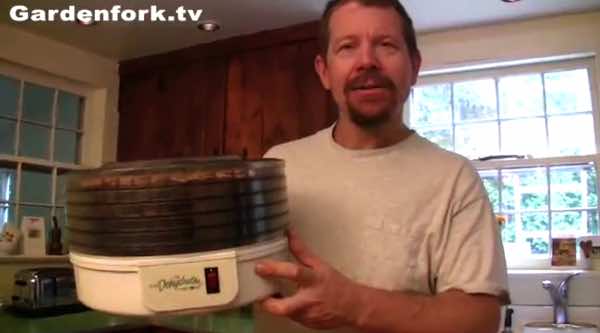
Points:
x=33 y=229
x=175 y=236
x=45 y=291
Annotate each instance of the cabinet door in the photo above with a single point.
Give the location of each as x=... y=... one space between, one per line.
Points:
x=173 y=112
x=139 y=119
x=274 y=96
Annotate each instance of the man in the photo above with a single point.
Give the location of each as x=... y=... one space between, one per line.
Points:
x=401 y=233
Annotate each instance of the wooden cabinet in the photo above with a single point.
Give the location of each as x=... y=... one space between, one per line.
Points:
x=234 y=101
x=273 y=96
x=173 y=112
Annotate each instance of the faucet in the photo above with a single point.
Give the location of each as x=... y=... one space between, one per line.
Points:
x=560 y=298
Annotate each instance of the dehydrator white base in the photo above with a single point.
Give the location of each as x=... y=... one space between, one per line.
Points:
x=113 y=284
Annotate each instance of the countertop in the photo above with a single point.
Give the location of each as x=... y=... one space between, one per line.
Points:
x=237 y=320
x=68 y=323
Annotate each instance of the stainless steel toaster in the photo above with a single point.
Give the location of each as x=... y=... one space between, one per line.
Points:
x=44 y=288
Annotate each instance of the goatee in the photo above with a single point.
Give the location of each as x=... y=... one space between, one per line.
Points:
x=370 y=78
x=368 y=121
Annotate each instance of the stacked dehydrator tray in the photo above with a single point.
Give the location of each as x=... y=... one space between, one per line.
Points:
x=175 y=236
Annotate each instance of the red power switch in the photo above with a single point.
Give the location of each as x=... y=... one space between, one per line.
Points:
x=211 y=276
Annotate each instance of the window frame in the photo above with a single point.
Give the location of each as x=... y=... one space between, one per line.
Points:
x=25 y=75
x=542 y=65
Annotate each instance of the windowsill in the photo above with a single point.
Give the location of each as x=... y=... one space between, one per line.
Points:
x=20 y=258
x=546 y=270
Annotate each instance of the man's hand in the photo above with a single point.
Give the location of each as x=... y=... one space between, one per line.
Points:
x=323 y=298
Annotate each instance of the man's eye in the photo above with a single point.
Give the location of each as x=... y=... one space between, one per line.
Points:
x=345 y=47
x=388 y=45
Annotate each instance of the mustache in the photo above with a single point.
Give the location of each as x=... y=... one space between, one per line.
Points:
x=371 y=76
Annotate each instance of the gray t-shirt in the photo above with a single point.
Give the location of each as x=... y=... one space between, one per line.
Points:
x=409 y=217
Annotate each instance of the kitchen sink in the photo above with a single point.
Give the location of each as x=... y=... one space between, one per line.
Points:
x=559 y=328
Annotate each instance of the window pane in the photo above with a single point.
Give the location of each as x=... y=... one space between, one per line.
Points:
x=568 y=92
x=69 y=111
x=37 y=103
x=592 y=186
x=492 y=187
x=8 y=178
x=593 y=226
x=36 y=211
x=61 y=189
x=431 y=105
x=538 y=245
x=440 y=136
x=521 y=96
x=571 y=135
x=9 y=95
x=569 y=224
x=477 y=140
x=509 y=233
x=513 y=132
x=475 y=100
x=535 y=222
x=34 y=141
x=36 y=186
x=7 y=136
x=7 y=213
x=573 y=187
x=524 y=189
x=66 y=146
x=61 y=216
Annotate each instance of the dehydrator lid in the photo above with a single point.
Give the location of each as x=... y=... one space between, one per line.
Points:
x=162 y=173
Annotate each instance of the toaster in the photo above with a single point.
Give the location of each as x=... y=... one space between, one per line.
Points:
x=48 y=289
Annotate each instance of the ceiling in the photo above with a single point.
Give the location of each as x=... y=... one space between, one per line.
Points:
x=121 y=41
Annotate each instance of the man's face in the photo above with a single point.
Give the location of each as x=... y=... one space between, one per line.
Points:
x=368 y=67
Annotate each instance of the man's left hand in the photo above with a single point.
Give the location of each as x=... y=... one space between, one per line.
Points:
x=324 y=296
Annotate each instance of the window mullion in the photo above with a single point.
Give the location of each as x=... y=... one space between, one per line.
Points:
x=517 y=213
x=18 y=181
x=595 y=107
x=549 y=194
x=53 y=190
x=51 y=151
x=452 y=116
x=545 y=105
x=584 y=198
x=596 y=165
x=52 y=129
x=19 y=118
x=534 y=162
x=500 y=188
x=498 y=115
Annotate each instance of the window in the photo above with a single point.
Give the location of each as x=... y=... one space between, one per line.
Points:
x=531 y=131
x=40 y=136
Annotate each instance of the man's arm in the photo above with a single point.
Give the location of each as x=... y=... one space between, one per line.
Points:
x=326 y=299
x=452 y=311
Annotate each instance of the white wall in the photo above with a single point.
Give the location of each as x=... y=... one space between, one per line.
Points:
x=33 y=56
x=569 y=34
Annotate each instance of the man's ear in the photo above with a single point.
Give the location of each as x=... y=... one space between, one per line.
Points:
x=321 y=69
x=416 y=64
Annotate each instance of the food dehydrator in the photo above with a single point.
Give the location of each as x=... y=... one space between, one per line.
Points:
x=175 y=236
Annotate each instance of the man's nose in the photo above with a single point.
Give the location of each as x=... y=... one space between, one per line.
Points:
x=367 y=57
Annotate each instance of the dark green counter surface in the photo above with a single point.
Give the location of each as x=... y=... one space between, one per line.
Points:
x=69 y=323
x=238 y=321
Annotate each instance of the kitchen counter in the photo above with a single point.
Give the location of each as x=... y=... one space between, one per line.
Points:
x=237 y=320
x=69 y=323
